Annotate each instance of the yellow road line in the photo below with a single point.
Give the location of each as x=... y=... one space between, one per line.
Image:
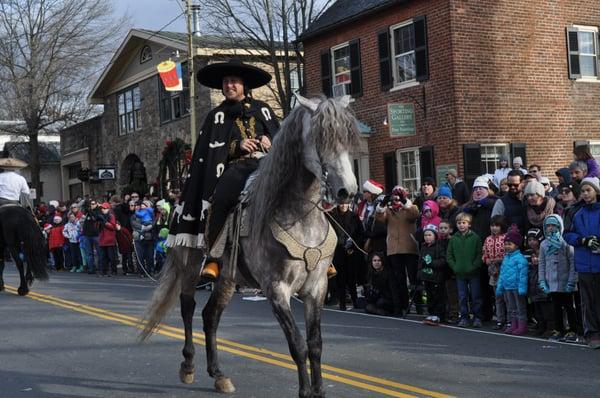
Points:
x=236 y=349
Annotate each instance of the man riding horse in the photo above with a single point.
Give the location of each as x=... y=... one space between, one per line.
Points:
x=234 y=137
x=13 y=186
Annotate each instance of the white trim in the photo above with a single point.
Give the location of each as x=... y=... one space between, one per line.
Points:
x=393 y=56
x=416 y=151
x=332 y=65
x=404 y=85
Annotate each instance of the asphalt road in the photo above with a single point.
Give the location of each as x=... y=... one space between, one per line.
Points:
x=75 y=336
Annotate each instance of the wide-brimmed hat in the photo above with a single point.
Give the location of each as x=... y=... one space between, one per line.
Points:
x=212 y=75
x=12 y=164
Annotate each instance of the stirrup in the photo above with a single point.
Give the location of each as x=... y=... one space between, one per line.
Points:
x=331 y=271
x=210 y=270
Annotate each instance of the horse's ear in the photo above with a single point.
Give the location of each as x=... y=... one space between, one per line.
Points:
x=305 y=102
x=345 y=101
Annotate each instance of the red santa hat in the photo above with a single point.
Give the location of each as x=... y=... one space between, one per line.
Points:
x=373 y=186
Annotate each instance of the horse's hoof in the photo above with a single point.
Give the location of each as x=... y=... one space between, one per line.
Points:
x=185 y=377
x=224 y=385
x=22 y=291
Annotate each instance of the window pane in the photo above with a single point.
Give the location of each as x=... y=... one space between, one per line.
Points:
x=121 y=101
x=586 y=43
x=587 y=65
x=176 y=107
x=136 y=98
x=122 y=125
x=403 y=39
x=166 y=110
x=138 y=120
x=130 y=121
x=128 y=101
x=595 y=150
x=406 y=67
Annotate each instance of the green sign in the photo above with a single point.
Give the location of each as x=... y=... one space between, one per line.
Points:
x=401 y=119
x=440 y=172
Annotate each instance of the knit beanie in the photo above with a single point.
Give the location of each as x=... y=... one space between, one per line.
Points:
x=592 y=182
x=444 y=190
x=481 y=182
x=430 y=227
x=535 y=233
x=535 y=188
x=513 y=236
x=373 y=186
x=518 y=160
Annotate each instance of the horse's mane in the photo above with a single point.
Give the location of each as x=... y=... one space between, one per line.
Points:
x=279 y=182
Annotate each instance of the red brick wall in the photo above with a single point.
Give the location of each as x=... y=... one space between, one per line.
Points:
x=498 y=73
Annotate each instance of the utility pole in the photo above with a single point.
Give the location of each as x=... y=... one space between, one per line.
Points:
x=192 y=80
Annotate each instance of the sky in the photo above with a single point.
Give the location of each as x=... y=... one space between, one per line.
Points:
x=152 y=14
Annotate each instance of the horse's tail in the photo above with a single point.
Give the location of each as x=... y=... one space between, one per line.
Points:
x=166 y=294
x=34 y=248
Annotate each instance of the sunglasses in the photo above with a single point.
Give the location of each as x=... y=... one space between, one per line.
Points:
x=513 y=185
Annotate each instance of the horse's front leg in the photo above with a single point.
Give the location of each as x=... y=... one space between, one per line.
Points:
x=188 y=306
x=211 y=315
x=313 y=304
x=279 y=295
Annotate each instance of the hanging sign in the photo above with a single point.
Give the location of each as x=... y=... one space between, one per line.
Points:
x=401 y=119
x=170 y=74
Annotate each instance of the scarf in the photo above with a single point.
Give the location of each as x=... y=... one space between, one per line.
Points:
x=536 y=214
x=208 y=164
x=554 y=242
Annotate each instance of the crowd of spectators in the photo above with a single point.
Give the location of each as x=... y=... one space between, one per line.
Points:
x=513 y=251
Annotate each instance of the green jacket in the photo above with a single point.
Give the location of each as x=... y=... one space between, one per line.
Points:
x=464 y=253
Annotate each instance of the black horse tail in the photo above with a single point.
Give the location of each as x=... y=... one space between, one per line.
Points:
x=34 y=247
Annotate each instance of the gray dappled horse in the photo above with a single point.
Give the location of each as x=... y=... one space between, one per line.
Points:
x=20 y=233
x=308 y=163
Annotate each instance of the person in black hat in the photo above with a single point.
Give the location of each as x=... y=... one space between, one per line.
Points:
x=234 y=136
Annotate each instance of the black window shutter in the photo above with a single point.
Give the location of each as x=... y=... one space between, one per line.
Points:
x=519 y=149
x=390 y=171
x=326 y=73
x=385 y=60
x=426 y=162
x=421 y=56
x=472 y=162
x=573 y=53
x=355 y=69
x=580 y=143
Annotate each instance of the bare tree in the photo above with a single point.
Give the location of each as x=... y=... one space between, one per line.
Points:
x=50 y=50
x=272 y=27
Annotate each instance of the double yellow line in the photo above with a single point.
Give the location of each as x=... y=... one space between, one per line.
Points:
x=355 y=379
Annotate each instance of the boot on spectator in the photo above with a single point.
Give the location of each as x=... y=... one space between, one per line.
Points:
x=513 y=326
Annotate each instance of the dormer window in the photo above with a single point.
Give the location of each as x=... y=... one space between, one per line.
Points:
x=145 y=54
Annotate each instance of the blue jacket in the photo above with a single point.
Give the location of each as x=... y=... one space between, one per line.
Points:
x=586 y=222
x=513 y=274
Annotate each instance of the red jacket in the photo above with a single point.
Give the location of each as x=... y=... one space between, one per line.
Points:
x=108 y=234
x=55 y=237
x=125 y=241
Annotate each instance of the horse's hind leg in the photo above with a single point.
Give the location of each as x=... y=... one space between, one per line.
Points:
x=313 y=304
x=211 y=315
x=188 y=306
x=280 y=300
x=23 y=287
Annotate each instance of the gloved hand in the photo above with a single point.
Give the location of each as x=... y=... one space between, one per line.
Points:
x=570 y=287
x=348 y=244
x=427 y=259
x=544 y=286
x=591 y=242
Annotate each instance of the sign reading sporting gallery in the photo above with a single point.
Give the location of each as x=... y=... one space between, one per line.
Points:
x=401 y=119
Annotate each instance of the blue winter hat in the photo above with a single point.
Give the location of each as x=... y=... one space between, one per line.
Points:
x=444 y=190
x=553 y=219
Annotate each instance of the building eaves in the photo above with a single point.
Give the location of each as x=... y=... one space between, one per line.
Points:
x=343 y=12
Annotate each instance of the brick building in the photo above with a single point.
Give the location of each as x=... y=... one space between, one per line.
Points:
x=126 y=141
x=457 y=83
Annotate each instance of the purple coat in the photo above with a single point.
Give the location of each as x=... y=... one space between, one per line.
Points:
x=593 y=168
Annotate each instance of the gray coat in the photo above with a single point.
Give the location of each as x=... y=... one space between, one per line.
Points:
x=557 y=269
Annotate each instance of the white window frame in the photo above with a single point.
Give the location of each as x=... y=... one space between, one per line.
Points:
x=129 y=120
x=595 y=148
x=407 y=83
x=594 y=30
x=145 y=54
x=402 y=179
x=334 y=75
x=485 y=158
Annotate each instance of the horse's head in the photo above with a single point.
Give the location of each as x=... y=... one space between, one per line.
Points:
x=329 y=134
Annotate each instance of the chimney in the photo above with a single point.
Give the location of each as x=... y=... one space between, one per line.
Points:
x=196 y=20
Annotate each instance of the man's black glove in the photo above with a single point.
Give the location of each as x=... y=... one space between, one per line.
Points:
x=591 y=242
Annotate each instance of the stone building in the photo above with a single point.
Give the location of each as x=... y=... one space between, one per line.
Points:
x=457 y=83
x=126 y=141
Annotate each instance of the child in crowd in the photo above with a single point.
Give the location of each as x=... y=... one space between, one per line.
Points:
x=56 y=241
x=431 y=272
x=512 y=283
x=145 y=213
x=582 y=153
x=540 y=301
x=430 y=214
x=464 y=258
x=444 y=233
x=557 y=277
x=160 y=249
x=71 y=232
x=379 y=292
x=493 y=253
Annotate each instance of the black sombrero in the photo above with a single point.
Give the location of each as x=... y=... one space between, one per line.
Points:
x=212 y=75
